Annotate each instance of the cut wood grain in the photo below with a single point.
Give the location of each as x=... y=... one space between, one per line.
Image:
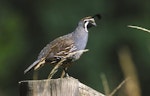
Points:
x=56 y=87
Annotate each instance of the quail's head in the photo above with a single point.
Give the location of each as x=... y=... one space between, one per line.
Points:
x=88 y=22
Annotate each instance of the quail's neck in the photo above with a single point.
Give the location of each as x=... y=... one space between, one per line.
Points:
x=81 y=37
x=80 y=30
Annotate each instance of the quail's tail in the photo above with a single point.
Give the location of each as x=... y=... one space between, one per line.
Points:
x=31 y=66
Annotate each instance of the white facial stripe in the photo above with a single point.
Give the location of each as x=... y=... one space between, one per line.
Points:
x=87 y=22
x=85 y=26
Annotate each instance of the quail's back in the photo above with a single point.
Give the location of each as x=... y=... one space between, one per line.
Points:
x=62 y=46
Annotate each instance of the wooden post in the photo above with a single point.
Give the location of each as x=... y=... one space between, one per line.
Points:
x=56 y=87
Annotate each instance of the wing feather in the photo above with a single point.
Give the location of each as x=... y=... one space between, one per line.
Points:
x=54 y=51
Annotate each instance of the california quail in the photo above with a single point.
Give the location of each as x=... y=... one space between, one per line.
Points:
x=62 y=46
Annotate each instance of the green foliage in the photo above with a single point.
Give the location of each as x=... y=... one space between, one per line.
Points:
x=27 y=26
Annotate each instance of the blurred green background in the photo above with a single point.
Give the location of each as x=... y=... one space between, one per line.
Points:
x=26 y=26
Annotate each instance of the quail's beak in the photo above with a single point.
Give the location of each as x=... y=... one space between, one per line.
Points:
x=95 y=17
x=93 y=23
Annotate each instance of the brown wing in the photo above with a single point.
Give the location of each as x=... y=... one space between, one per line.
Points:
x=54 y=51
x=57 y=49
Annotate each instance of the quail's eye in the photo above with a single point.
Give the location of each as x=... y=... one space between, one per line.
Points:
x=85 y=21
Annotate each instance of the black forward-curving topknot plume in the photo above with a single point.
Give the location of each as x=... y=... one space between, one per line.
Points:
x=97 y=16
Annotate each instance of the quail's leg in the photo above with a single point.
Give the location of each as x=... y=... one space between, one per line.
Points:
x=64 y=72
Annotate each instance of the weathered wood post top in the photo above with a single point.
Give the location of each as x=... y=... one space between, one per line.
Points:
x=56 y=87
